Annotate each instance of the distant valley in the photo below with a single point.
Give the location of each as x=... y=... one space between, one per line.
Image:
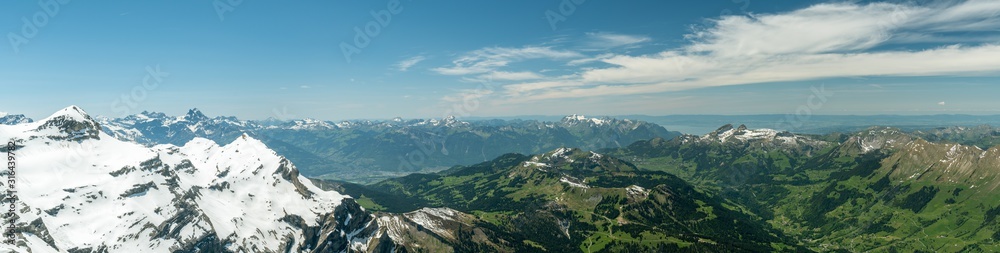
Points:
x=367 y=151
x=577 y=184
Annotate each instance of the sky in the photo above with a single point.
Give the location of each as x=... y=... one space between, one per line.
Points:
x=350 y=59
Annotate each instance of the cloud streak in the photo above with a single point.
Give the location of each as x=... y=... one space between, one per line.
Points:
x=406 y=64
x=606 y=40
x=831 y=40
x=490 y=59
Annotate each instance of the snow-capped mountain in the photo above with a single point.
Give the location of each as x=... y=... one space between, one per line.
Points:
x=151 y=128
x=13 y=119
x=81 y=190
x=310 y=124
x=761 y=137
x=581 y=119
x=373 y=150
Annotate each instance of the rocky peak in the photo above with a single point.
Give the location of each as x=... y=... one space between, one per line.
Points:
x=574 y=117
x=578 y=119
x=195 y=115
x=876 y=138
x=70 y=123
x=723 y=129
x=449 y=121
x=577 y=159
x=13 y=119
x=763 y=138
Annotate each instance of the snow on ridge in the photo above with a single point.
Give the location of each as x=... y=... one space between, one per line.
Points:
x=595 y=156
x=560 y=153
x=574 y=118
x=433 y=219
x=92 y=192
x=537 y=164
x=573 y=184
x=71 y=112
x=635 y=190
x=308 y=123
x=743 y=134
x=757 y=134
x=598 y=121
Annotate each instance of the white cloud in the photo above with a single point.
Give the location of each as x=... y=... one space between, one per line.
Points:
x=612 y=40
x=490 y=59
x=972 y=15
x=516 y=89
x=405 y=65
x=822 y=41
x=305 y=86
x=597 y=58
x=823 y=28
x=511 y=76
x=941 y=103
x=637 y=75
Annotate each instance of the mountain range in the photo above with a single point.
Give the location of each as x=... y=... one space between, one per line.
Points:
x=13 y=119
x=878 y=190
x=81 y=190
x=367 y=151
x=88 y=184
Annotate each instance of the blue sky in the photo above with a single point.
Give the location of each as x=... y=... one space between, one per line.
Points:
x=260 y=59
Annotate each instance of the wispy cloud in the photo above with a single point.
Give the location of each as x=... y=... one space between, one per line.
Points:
x=490 y=59
x=511 y=76
x=406 y=64
x=605 y=40
x=597 y=58
x=831 y=40
x=521 y=88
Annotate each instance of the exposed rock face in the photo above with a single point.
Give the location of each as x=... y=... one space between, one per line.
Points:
x=366 y=151
x=13 y=119
x=86 y=192
x=72 y=124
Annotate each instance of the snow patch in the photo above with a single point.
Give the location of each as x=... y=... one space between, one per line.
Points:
x=573 y=184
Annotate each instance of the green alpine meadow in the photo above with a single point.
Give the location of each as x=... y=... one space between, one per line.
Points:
x=507 y=126
x=732 y=190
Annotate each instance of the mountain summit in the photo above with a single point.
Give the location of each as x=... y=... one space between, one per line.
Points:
x=195 y=115
x=374 y=150
x=70 y=123
x=84 y=192
x=13 y=119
